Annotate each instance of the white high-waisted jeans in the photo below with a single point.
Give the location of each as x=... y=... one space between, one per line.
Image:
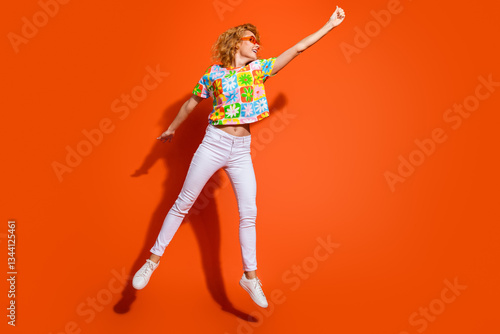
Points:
x=218 y=149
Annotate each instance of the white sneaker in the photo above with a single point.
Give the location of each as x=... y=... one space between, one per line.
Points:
x=141 y=277
x=253 y=287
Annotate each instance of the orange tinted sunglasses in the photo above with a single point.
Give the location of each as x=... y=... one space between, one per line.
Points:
x=251 y=39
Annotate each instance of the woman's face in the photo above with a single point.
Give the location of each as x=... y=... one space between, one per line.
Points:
x=247 y=49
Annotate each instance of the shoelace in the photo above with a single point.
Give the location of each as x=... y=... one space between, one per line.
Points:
x=149 y=267
x=257 y=285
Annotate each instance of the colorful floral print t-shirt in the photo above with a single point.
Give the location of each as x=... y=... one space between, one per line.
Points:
x=238 y=92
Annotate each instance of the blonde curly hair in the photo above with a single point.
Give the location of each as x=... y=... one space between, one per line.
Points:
x=225 y=47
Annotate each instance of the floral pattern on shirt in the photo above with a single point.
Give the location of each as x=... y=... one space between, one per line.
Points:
x=217 y=114
x=232 y=110
x=238 y=93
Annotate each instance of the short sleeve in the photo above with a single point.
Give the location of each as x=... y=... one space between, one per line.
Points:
x=201 y=88
x=267 y=66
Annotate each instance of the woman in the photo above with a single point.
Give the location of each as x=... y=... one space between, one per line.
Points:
x=237 y=88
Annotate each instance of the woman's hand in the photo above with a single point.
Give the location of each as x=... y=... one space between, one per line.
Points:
x=167 y=135
x=337 y=17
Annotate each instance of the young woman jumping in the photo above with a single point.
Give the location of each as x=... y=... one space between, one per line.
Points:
x=236 y=86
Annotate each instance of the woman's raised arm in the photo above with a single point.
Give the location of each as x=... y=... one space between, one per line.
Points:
x=283 y=59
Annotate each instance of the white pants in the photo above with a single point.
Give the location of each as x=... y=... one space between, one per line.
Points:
x=218 y=150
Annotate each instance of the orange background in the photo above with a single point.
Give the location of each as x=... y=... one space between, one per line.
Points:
x=320 y=171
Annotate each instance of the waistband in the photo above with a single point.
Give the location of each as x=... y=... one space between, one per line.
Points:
x=226 y=136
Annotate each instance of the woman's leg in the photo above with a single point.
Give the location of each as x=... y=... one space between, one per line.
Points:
x=206 y=161
x=241 y=173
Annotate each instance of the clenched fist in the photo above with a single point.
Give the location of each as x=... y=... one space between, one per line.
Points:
x=337 y=16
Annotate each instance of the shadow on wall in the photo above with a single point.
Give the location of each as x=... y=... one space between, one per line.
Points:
x=203 y=216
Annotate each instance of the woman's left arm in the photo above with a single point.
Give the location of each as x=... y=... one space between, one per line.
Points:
x=283 y=59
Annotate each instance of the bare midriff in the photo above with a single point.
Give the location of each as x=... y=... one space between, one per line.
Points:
x=239 y=130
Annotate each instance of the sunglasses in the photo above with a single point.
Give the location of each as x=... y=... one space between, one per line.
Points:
x=251 y=39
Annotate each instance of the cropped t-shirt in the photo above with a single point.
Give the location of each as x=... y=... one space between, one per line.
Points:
x=238 y=92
